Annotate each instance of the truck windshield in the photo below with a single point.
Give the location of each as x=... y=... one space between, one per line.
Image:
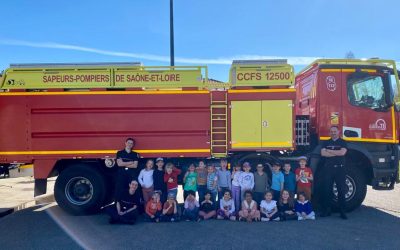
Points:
x=367 y=90
x=395 y=90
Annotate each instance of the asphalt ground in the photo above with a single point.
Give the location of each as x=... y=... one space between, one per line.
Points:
x=375 y=225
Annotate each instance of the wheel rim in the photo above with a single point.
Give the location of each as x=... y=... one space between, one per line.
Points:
x=350 y=189
x=79 y=190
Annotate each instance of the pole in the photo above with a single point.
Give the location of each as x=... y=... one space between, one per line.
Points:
x=171 y=30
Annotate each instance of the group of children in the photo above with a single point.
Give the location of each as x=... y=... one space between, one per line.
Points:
x=242 y=195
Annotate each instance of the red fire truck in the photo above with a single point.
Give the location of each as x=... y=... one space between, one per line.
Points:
x=68 y=120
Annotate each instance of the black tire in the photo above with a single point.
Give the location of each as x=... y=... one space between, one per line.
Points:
x=356 y=189
x=80 y=189
x=356 y=178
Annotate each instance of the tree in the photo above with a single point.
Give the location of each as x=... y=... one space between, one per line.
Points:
x=349 y=55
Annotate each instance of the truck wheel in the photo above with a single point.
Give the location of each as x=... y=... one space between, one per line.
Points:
x=356 y=188
x=80 y=189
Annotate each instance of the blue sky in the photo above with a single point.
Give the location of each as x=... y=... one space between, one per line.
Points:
x=207 y=32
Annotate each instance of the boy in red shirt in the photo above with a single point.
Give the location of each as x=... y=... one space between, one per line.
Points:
x=171 y=178
x=304 y=177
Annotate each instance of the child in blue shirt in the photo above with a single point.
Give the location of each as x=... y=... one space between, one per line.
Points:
x=290 y=179
x=278 y=180
x=303 y=208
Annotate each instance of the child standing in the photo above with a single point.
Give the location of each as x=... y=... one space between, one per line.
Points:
x=190 y=180
x=227 y=207
x=249 y=211
x=278 y=180
x=303 y=208
x=236 y=177
x=191 y=207
x=171 y=178
x=286 y=207
x=207 y=207
x=290 y=179
x=158 y=179
x=304 y=177
x=146 y=180
x=201 y=171
x=170 y=211
x=212 y=182
x=154 y=208
x=260 y=183
x=224 y=179
x=268 y=208
x=246 y=180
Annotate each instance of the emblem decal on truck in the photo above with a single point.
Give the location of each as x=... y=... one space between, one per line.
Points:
x=330 y=83
x=380 y=124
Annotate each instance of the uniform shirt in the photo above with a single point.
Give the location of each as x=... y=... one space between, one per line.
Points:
x=303 y=181
x=191 y=182
x=335 y=145
x=211 y=178
x=247 y=181
x=236 y=178
x=127 y=200
x=267 y=207
x=277 y=179
x=201 y=176
x=146 y=178
x=290 y=181
x=260 y=182
x=224 y=179
x=127 y=157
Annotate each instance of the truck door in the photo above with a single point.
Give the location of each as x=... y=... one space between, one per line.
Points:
x=366 y=114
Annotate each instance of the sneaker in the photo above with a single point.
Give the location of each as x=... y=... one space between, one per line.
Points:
x=300 y=218
x=277 y=219
x=264 y=219
x=172 y=219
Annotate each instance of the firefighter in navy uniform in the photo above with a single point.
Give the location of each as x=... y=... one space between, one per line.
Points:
x=334 y=151
x=128 y=162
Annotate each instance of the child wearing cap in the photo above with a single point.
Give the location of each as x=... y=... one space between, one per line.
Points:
x=246 y=180
x=158 y=178
x=191 y=207
x=146 y=180
x=290 y=179
x=170 y=211
x=207 y=207
x=171 y=178
x=278 y=179
x=190 y=180
x=304 y=178
x=154 y=208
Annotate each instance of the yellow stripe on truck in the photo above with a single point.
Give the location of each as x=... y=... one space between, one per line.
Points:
x=111 y=151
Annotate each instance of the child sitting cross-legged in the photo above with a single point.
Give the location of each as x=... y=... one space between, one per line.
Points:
x=154 y=208
x=191 y=207
x=269 y=210
x=303 y=208
x=249 y=211
x=207 y=207
x=170 y=211
x=227 y=207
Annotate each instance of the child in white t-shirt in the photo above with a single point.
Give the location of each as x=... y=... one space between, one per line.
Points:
x=268 y=208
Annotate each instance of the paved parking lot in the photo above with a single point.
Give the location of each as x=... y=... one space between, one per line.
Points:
x=375 y=225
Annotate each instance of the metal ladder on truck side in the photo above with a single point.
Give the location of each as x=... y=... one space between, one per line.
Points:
x=219 y=124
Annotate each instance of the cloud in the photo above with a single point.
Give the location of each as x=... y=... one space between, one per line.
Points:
x=222 y=60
